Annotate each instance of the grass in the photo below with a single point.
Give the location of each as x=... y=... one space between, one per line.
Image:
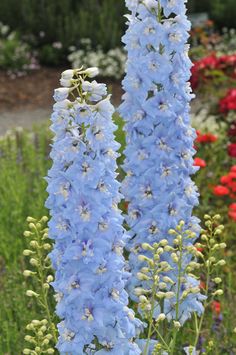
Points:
x=24 y=161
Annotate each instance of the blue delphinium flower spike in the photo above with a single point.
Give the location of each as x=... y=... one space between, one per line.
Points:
x=86 y=223
x=159 y=152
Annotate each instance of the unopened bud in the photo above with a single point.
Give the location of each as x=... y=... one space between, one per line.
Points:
x=161 y=317
x=31 y=293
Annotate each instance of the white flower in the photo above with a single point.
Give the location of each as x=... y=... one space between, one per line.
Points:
x=92 y=72
x=60 y=105
x=67 y=74
x=96 y=91
x=61 y=94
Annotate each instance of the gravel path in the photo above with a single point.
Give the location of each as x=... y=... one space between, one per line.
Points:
x=22 y=118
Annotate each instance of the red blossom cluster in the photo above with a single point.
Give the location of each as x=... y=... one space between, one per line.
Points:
x=201 y=69
x=205 y=138
x=228 y=103
x=228 y=188
x=232 y=150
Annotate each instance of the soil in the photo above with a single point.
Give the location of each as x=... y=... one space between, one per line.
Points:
x=28 y=99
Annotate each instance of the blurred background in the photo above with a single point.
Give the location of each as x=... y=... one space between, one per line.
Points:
x=39 y=38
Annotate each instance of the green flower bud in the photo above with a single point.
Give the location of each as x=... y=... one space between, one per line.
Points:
x=163 y=242
x=44 y=219
x=26 y=351
x=221 y=262
x=27 y=233
x=206 y=216
x=28 y=273
x=218 y=293
x=50 y=351
x=168 y=280
x=46 y=286
x=142 y=277
x=35 y=322
x=217 y=280
x=147 y=246
x=174 y=257
x=47 y=246
x=143 y=299
x=31 y=293
x=50 y=278
x=162 y=285
x=31 y=219
x=169 y=295
x=32 y=226
x=27 y=252
x=34 y=262
x=34 y=244
x=223 y=245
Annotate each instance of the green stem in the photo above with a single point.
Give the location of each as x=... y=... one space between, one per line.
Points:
x=173 y=342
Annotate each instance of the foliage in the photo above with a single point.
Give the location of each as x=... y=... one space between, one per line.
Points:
x=15 y=55
x=110 y=64
x=41 y=335
x=24 y=163
x=66 y=21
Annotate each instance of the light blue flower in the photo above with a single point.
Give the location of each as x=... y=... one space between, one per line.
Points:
x=86 y=225
x=160 y=139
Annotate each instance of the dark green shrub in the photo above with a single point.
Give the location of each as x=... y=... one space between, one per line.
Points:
x=67 y=21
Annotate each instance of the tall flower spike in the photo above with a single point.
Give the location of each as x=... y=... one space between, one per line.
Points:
x=160 y=139
x=86 y=223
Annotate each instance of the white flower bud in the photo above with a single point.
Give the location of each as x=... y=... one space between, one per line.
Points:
x=27 y=233
x=217 y=280
x=177 y=325
x=27 y=252
x=221 y=262
x=67 y=74
x=61 y=94
x=91 y=72
x=223 y=245
x=218 y=293
x=161 y=317
x=31 y=293
x=50 y=351
x=30 y=219
x=26 y=351
x=28 y=273
x=167 y=279
x=147 y=246
x=169 y=295
x=50 y=278
x=34 y=262
x=47 y=246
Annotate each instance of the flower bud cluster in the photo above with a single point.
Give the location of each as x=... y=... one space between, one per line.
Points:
x=212 y=259
x=86 y=223
x=39 y=339
x=168 y=282
x=44 y=336
x=159 y=153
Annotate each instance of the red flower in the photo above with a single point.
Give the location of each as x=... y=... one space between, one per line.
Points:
x=199 y=162
x=225 y=179
x=228 y=103
x=216 y=307
x=220 y=190
x=232 y=214
x=232 y=146
x=205 y=138
x=232 y=206
x=233 y=168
